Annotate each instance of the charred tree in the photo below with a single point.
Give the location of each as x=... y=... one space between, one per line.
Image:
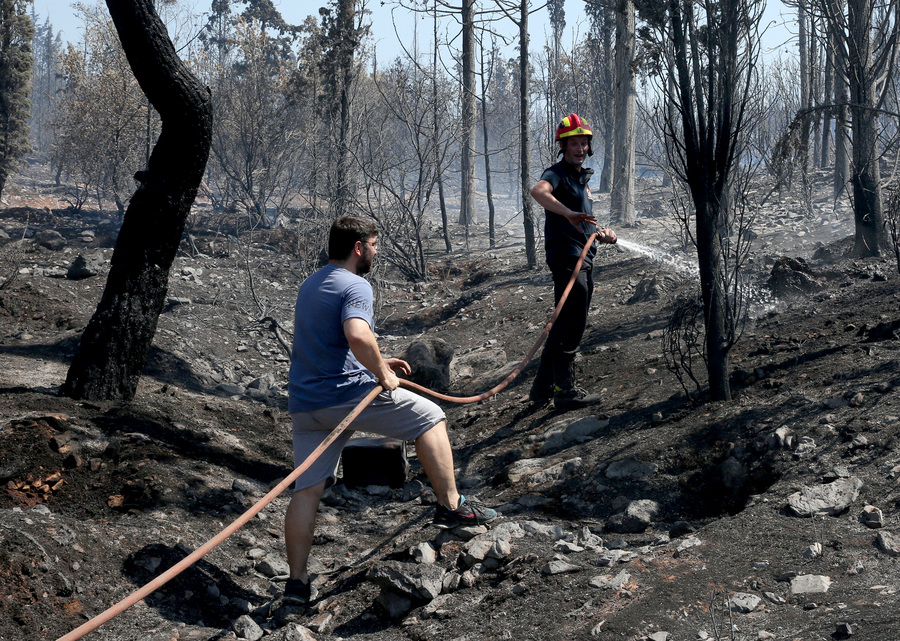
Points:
x=115 y=343
x=712 y=63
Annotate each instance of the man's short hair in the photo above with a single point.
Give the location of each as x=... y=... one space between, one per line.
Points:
x=345 y=231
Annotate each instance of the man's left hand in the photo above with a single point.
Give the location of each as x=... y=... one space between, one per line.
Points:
x=398 y=365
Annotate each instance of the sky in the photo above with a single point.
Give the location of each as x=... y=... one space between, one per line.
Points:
x=62 y=17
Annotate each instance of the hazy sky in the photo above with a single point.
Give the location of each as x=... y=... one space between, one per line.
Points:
x=63 y=19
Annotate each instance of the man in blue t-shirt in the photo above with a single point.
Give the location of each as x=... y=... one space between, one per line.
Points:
x=564 y=194
x=336 y=362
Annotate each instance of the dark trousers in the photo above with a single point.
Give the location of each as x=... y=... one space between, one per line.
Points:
x=565 y=336
x=566 y=333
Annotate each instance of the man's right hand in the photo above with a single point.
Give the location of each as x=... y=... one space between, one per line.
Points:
x=389 y=380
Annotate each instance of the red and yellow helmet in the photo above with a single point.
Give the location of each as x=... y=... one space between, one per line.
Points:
x=573 y=125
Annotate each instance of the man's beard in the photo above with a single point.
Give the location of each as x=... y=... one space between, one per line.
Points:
x=364 y=266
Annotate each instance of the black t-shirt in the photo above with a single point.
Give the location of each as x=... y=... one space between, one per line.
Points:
x=561 y=239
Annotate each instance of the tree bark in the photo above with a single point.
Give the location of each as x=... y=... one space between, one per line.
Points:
x=866 y=174
x=467 y=161
x=525 y=138
x=115 y=343
x=621 y=202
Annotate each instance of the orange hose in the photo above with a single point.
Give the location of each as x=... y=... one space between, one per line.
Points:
x=200 y=552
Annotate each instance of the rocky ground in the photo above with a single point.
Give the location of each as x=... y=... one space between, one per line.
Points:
x=773 y=516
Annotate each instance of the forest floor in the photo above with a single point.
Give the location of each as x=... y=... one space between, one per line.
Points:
x=97 y=498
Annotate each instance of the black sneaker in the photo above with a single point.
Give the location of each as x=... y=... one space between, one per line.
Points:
x=296 y=592
x=573 y=398
x=469 y=512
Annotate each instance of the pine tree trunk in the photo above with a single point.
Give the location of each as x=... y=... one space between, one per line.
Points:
x=115 y=343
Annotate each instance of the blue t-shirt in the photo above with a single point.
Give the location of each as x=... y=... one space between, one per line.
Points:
x=324 y=372
x=561 y=239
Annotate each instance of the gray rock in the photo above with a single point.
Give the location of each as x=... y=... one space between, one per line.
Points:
x=558 y=566
x=395 y=605
x=810 y=584
x=609 y=582
x=743 y=602
x=658 y=636
x=637 y=517
x=476 y=551
x=688 y=543
x=567 y=547
x=871 y=517
x=501 y=549
x=246 y=628
x=609 y=557
x=805 y=447
x=889 y=543
x=572 y=431
x=292 y=632
x=423 y=553
x=430 y=362
x=831 y=498
x=272 y=567
x=416 y=582
x=85 y=267
x=630 y=469
x=51 y=239
x=231 y=390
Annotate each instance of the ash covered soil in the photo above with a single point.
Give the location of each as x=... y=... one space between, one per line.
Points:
x=648 y=517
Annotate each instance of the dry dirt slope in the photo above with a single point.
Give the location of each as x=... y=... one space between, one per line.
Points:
x=97 y=498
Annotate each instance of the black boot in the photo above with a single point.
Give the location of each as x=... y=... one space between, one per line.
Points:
x=566 y=394
x=542 y=388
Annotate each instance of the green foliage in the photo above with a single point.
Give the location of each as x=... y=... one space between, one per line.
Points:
x=16 y=61
x=105 y=128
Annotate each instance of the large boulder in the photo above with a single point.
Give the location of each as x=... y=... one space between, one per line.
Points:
x=792 y=277
x=430 y=362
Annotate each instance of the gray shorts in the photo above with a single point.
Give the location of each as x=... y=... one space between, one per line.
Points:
x=398 y=414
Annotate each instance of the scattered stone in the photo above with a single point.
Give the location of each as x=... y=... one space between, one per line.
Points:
x=774 y=598
x=843 y=631
x=680 y=528
x=631 y=469
x=686 y=544
x=567 y=547
x=743 y=602
x=51 y=239
x=609 y=582
x=810 y=584
x=423 y=553
x=85 y=267
x=246 y=628
x=805 y=447
x=658 y=636
x=292 y=632
x=889 y=543
x=416 y=582
x=558 y=566
x=272 y=567
x=637 y=517
x=396 y=606
x=831 y=498
x=871 y=517
x=572 y=431
x=536 y=471
x=609 y=557
x=813 y=551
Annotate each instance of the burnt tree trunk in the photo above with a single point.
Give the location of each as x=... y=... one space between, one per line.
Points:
x=115 y=343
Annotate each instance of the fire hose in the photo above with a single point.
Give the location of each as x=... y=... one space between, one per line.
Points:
x=204 y=549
